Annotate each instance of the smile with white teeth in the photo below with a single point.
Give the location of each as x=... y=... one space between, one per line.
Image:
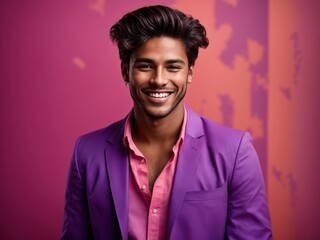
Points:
x=158 y=95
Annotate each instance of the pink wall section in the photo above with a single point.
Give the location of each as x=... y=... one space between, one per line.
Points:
x=60 y=78
x=293 y=163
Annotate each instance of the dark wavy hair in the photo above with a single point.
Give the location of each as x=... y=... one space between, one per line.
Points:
x=136 y=27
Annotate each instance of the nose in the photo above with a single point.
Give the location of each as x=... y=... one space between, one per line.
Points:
x=159 y=78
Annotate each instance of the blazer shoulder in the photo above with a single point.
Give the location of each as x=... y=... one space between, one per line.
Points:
x=217 y=138
x=198 y=125
x=105 y=133
x=225 y=141
x=221 y=133
x=96 y=141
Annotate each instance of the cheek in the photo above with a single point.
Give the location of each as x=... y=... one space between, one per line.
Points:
x=133 y=92
x=140 y=77
x=179 y=78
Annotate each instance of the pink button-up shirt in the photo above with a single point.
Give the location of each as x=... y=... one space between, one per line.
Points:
x=148 y=214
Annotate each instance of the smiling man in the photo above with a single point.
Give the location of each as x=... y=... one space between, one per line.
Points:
x=164 y=172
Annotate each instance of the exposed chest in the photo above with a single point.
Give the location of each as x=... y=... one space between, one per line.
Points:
x=157 y=157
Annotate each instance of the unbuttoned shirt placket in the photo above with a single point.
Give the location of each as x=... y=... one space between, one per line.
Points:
x=155 y=202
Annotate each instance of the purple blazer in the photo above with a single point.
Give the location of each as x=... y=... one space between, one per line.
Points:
x=218 y=190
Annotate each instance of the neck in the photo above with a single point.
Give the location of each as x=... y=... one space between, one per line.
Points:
x=156 y=130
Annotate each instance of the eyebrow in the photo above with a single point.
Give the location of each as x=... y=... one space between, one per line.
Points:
x=148 y=60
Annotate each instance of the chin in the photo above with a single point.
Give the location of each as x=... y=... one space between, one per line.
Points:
x=159 y=113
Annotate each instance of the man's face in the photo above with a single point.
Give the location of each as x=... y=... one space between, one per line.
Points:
x=158 y=75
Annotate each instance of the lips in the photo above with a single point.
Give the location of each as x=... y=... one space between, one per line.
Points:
x=159 y=95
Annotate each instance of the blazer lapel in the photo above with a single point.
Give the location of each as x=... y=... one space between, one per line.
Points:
x=118 y=170
x=187 y=161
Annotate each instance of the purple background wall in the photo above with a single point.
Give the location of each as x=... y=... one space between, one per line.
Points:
x=60 y=77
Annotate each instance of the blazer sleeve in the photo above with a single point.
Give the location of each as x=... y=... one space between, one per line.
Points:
x=248 y=214
x=76 y=224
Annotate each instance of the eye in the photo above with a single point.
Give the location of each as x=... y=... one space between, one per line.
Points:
x=145 y=67
x=173 y=68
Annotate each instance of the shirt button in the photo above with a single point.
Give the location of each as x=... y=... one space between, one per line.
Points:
x=154 y=211
x=143 y=187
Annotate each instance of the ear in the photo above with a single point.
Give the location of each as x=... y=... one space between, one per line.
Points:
x=190 y=74
x=125 y=72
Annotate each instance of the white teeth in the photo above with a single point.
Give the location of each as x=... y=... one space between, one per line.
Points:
x=159 y=95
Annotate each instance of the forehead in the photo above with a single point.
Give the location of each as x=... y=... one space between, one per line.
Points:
x=161 y=48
